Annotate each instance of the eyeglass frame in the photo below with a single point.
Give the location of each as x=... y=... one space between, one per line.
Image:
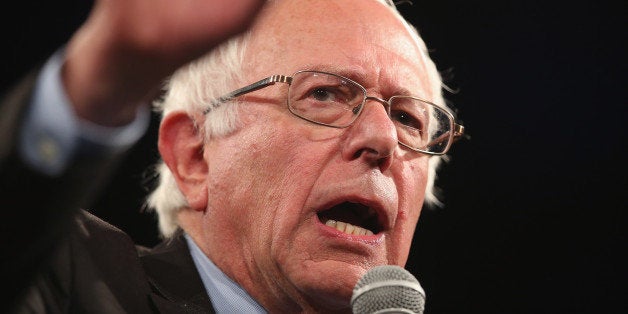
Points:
x=456 y=133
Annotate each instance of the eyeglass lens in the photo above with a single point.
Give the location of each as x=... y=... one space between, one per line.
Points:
x=336 y=101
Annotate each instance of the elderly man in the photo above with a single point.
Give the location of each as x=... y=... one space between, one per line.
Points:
x=296 y=157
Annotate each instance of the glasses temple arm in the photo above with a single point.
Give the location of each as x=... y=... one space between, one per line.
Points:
x=458 y=132
x=247 y=89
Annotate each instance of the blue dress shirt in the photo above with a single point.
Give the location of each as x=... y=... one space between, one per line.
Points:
x=52 y=135
x=226 y=295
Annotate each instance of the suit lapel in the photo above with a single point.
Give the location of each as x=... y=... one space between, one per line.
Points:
x=176 y=284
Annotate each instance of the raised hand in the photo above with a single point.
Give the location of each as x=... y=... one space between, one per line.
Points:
x=118 y=58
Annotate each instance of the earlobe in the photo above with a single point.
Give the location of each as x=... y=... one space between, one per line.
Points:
x=181 y=147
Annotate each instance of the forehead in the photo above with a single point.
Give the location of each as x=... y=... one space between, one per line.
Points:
x=359 y=38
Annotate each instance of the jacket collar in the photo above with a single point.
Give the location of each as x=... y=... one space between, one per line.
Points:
x=174 y=279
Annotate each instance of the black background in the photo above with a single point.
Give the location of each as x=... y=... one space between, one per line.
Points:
x=535 y=212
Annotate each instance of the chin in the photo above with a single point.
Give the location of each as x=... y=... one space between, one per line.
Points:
x=329 y=287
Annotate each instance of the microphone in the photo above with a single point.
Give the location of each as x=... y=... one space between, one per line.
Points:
x=388 y=289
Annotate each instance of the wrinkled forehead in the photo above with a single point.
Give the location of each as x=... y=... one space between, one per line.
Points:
x=365 y=35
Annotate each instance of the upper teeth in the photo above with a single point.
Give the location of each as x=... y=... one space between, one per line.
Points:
x=348 y=228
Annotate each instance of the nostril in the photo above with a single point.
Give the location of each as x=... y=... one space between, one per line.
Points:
x=366 y=151
x=375 y=158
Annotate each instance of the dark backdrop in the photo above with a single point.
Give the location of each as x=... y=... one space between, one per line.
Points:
x=535 y=216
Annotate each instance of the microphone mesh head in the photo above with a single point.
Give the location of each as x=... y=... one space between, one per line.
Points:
x=388 y=289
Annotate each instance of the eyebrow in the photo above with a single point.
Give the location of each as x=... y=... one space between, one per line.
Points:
x=359 y=75
x=355 y=73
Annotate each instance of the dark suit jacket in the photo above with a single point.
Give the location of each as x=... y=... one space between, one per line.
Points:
x=57 y=258
x=98 y=269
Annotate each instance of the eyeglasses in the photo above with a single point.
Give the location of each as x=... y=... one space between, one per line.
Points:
x=336 y=101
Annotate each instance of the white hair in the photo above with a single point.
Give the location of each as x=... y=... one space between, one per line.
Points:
x=193 y=87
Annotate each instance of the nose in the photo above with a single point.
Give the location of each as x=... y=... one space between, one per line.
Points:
x=372 y=137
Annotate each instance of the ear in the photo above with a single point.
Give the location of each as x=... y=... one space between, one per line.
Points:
x=181 y=147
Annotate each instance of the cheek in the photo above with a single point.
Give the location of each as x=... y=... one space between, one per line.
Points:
x=277 y=163
x=287 y=152
x=411 y=185
x=279 y=168
x=258 y=184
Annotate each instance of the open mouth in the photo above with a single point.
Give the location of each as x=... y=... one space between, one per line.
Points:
x=351 y=218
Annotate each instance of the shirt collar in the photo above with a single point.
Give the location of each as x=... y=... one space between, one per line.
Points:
x=226 y=295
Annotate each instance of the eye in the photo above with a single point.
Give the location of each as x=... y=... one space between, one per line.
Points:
x=323 y=94
x=407 y=119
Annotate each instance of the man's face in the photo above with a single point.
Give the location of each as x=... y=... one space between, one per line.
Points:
x=276 y=182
